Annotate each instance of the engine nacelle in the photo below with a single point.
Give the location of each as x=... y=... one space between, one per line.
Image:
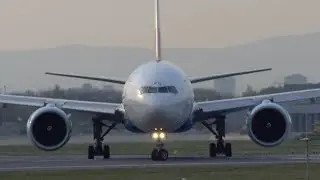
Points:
x=268 y=124
x=49 y=128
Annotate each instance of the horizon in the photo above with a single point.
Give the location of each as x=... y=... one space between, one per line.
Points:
x=134 y=47
x=76 y=82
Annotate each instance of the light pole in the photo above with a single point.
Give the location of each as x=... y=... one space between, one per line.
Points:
x=306 y=139
x=4 y=115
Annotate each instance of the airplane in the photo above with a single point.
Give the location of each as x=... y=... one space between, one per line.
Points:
x=158 y=99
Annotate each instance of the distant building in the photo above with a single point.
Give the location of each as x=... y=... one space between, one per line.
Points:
x=225 y=86
x=295 y=79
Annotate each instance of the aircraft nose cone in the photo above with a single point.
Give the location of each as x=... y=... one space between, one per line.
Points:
x=154 y=101
x=158 y=114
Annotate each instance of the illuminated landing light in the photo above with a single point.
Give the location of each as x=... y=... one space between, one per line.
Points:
x=155 y=135
x=159 y=135
x=140 y=96
x=162 y=135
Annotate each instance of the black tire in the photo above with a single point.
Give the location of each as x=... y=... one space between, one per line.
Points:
x=228 y=150
x=154 y=154
x=163 y=154
x=106 y=152
x=90 y=152
x=212 y=150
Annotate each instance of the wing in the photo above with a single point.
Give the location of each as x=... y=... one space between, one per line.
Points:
x=112 y=80
x=207 y=78
x=85 y=106
x=226 y=106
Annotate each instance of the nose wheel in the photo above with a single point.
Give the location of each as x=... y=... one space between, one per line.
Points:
x=159 y=153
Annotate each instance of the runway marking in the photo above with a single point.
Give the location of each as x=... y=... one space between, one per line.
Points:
x=133 y=161
x=154 y=165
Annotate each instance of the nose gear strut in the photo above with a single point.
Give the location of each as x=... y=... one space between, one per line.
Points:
x=159 y=153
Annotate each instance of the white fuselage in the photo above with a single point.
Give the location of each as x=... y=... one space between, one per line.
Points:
x=158 y=95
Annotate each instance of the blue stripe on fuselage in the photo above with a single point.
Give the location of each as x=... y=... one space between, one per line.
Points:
x=131 y=127
x=185 y=127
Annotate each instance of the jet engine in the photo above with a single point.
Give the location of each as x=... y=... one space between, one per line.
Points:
x=268 y=124
x=49 y=128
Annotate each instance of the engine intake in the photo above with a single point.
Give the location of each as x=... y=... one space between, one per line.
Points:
x=268 y=124
x=49 y=128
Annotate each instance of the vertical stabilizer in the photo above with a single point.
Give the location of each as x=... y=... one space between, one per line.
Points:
x=157 y=32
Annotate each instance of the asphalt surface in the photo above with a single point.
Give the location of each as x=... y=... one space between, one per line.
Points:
x=124 y=137
x=68 y=162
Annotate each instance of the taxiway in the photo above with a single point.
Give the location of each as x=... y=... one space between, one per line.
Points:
x=36 y=163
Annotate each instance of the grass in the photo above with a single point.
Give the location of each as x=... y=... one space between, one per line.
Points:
x=261 y=172
x=177 y=147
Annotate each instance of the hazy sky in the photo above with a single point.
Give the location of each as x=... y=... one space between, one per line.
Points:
x=185 y=23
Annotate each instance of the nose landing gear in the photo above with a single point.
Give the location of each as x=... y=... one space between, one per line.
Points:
x=159 y=153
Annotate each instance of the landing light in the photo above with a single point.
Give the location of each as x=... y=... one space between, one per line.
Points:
x=158 y=135
x=162 y=135
x=155 y=135
x=140 y=96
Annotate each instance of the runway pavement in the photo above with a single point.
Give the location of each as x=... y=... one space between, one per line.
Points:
x=124 y=137
x=36 y=163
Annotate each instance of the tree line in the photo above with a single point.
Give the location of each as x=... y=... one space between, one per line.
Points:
x=88 y=92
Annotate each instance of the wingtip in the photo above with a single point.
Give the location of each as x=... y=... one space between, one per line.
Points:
x=49 y=73
x=267 y=69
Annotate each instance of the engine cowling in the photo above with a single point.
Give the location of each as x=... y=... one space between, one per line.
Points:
x=49 y=128
x=268 y=124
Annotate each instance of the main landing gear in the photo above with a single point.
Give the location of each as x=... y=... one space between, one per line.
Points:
x=98 y=149
x=221 y=147
x=159 y=153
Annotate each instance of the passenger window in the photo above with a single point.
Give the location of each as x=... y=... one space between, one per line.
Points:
x=163 y=89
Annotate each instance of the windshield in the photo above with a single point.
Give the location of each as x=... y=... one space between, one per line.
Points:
x=161 y=89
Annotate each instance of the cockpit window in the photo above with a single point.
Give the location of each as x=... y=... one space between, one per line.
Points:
x=162 y=89
x=172 y=89
x=152 y=90
x=144 y=89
